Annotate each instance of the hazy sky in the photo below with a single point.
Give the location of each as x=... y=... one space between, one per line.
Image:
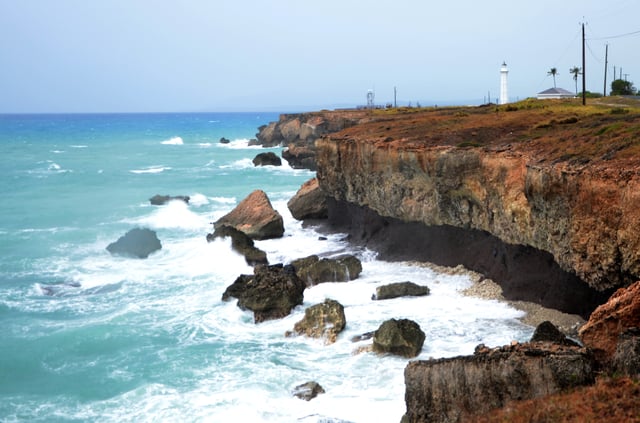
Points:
x=198 y=55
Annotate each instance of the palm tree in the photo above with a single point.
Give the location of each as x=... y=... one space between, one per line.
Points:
x=575 y=71
x=553 y=72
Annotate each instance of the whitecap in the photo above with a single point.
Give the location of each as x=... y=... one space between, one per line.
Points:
x=204 y=144
x=78 y=146
x=150 y=169
x=241 y=144
x=173 y=141
x=57 y=151
x=224 y=200
x=174 y=215
x=198 y=199
x=239 y=164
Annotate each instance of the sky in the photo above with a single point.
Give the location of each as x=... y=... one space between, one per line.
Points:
x=79 y=56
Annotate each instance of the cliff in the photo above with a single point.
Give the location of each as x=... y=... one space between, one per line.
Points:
x=553 y=180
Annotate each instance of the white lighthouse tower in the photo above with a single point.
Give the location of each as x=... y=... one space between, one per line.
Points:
x=504 y=94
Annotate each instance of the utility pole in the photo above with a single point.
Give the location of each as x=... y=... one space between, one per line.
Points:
x=606 y=56
x=395 y=97
x=584 y=72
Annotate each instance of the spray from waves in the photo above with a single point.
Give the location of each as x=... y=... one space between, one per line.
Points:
x=150 y=169
x=241 y=144
x=174 y=215
x=198 y=200
x=173 y=141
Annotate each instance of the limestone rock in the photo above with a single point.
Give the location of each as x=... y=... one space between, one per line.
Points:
x=224 y=140
x=626 y=359
x=310 y=202
x=300 y=156
x=255 y=216
x=138 y=243
x=548 y=332
x=400 y=337
x=452 y=389
x=160 y=200
x=308 y=391
x=325 y=320
x=314 y=270
x=267 y=159
x=602 y=332
x=271 y=292
x=400 y=289
x=241 y=243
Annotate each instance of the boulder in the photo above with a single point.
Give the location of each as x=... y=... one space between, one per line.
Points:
x=400 y=337
x=453 y=389
x=267 y=159
x=224 y=140
x=400 y=289
x=271 y=292
x=314 y=270
x=310 y=202
x=241 y=243
x=610 y=320
x=548 y=332
x=308 y=391
x=160 y=200
x=325 y=320
x=301 y=156
x=255 y=216
x=137 y=243
x=626 y=359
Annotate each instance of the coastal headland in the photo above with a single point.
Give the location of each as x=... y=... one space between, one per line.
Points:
x=541 y=196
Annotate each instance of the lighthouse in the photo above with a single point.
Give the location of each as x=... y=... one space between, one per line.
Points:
x=504 y=95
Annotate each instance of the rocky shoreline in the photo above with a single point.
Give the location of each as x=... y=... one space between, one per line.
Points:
x=549 y=227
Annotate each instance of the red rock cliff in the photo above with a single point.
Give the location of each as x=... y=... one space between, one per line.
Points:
x=552 y=176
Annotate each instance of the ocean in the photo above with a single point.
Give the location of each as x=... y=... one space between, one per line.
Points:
x=90 y=337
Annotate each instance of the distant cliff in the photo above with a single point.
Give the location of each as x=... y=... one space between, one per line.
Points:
x=299 y=131
x=547 y=193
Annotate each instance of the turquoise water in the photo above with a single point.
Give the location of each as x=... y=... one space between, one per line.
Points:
x=86 y=336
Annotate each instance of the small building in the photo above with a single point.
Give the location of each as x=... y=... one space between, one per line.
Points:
x=555 y=93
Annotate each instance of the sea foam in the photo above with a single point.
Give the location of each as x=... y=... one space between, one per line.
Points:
x=173 y=141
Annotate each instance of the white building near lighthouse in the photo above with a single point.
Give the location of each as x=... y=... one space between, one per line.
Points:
x=504 y=93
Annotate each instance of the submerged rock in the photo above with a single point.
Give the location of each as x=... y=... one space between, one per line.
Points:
x=325 y=320
x=224 y=140
x=400 y=289
x=308 y=391
x=314 y=270
x=400 y=337
x=241 y=243
x=255 y=216
x=160 y=200
x=137 y=243
x=310 y=202
x=267 y=159
x=271 y=292
x=453 y=389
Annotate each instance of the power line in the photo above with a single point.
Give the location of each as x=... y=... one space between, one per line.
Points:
x=628 y=34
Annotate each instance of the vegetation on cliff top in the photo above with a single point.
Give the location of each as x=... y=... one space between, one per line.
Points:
x=606 y=131
x=609 y=400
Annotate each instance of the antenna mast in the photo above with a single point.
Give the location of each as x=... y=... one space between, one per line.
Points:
x=606 y=56
x=584 y=72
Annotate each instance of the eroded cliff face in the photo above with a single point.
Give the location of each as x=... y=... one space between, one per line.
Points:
x=585 y=213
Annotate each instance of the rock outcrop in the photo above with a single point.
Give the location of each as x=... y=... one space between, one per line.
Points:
x=241 y=243
x=400 y=289
x=137 y=243
x=308 y=391
x=401 y=337
x=160 y=200
x=267 y=159
x=271 y=292
x=452 y=389
x=548 y=332
x=299 y=131
x=314 y=270
x=255 y=216
x=609 y=321
x=309 y=202
x=500 y=187
x=325 y=320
